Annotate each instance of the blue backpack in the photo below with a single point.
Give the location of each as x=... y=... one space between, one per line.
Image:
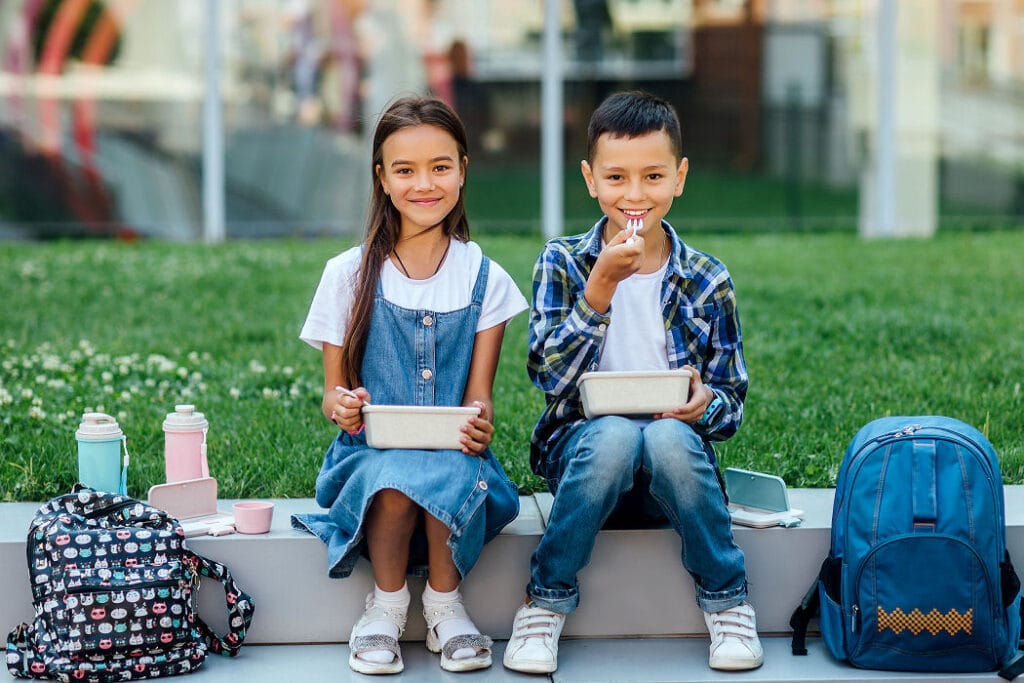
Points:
x=918 y=577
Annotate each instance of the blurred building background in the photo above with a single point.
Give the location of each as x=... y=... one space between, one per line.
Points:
x=101 y=108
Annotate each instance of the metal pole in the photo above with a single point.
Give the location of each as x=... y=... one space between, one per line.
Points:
x=551 y=122
x=213 y=130
x=885 y=140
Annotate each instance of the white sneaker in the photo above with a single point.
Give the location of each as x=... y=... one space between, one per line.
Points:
x=734 y=642
x=533 y=646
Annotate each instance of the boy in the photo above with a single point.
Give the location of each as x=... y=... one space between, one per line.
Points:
x=609 y=300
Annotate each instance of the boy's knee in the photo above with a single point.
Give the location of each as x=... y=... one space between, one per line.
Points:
x=609 y=451
x=673 y=448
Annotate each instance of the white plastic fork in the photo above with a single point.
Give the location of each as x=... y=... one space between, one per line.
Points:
x=349 y=392
x=633 y=224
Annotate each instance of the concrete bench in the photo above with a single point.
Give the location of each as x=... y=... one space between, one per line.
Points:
x=634 y=588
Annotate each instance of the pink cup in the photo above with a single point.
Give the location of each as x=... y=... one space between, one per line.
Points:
x=253 y=516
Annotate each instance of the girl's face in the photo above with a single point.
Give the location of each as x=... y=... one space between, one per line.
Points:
x=422 y=174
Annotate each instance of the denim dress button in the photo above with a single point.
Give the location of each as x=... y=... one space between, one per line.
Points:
x=426 y=374
x=427 y=321
x=483 y=486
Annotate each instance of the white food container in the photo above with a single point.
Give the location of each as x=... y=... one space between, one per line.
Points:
x=416 y=427
x=633 y=393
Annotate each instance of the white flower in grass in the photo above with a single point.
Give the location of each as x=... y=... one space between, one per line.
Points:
x=126 y=395
x=107 y=376
x=201 y=387
x=193 y=357
x=288 y=370
x=122 y=415
x=256 y=367
x=271 y=393
x=107 y=389
x=183 y=372
x=186 y=392
x=234 y=392
x=40 y=379
x=5 y=397
x=149 y=382
x=26 y=393
x=195 y=377
x=36 y=413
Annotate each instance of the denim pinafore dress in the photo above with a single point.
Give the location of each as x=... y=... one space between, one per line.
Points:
x=413 y=357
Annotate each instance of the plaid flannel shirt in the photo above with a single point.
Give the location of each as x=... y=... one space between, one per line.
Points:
x=702 y=329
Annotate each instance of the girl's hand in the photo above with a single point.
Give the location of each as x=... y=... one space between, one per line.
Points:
x=701 y=397
x=345 y=408
x=477 y=432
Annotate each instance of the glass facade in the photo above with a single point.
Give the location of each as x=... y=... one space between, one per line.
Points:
x=101 y=108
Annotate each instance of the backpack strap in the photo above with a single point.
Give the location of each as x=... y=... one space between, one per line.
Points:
x=20 y=654
x=1013 y=669
x=802 y=616
x=240 y=608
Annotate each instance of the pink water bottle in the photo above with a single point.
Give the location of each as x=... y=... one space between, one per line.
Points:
x=185 y=444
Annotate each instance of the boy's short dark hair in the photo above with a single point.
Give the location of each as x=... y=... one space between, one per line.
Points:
x=632 y=114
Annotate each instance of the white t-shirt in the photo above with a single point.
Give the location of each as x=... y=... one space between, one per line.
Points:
x=450 y=289
x=635 y=339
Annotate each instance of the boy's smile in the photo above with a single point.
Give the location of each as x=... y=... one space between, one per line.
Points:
x=634 y=179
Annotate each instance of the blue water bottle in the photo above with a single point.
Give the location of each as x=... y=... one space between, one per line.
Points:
x=100 y=442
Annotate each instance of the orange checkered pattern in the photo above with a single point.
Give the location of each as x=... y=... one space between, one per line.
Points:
x=952 y=622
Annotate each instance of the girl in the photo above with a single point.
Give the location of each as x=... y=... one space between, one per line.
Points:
x=413 y=316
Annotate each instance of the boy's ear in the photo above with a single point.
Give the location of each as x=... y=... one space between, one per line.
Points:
x=684 y=166
x=588 y=177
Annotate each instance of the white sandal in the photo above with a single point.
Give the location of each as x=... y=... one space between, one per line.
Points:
x=376 y=641
x=434 y=615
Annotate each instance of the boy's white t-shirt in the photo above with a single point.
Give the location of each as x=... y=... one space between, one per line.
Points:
x=635 y=339
x=450 y=289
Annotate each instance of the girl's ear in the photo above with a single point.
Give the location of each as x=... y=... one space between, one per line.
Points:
x=378 y=170
x=465 y=164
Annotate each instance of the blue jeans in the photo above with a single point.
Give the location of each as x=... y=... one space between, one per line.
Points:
x=592 y=471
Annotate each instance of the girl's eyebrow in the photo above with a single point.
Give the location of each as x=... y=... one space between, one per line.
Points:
x=403 y=162
x=619 y=169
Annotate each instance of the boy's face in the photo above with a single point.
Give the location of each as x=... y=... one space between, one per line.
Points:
x=634 y=178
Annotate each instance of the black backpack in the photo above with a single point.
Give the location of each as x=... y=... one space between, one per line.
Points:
x=113 y=591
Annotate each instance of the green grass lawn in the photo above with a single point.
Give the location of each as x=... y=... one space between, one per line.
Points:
x=837 y=331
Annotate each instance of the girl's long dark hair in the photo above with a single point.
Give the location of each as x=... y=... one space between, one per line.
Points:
x=383 y=221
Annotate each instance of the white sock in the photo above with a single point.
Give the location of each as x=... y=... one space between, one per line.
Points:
x=451 y=627
x=383 y=598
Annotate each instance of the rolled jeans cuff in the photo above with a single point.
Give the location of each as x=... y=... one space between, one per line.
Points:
x=561 y=601
x=720 y=600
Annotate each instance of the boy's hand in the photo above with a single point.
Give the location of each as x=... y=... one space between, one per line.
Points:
x=345 y=409
x=701 y=397
x=477 y=432
x=616 y=262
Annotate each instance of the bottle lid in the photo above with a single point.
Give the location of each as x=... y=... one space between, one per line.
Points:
x=98 y=427
x=185 y=419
